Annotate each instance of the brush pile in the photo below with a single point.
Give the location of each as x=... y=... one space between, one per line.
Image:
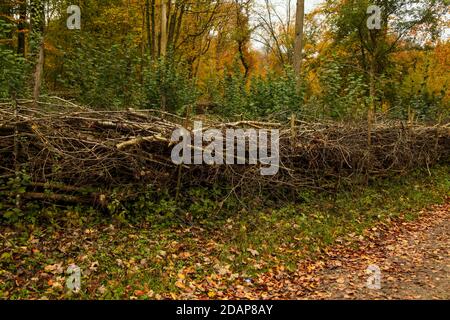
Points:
x=73 y=150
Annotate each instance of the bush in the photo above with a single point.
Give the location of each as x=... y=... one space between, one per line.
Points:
x=276 y=94
x=168 y=85
x=271 y=95
x=13 y=68
x=344 y=96
x=102 y=76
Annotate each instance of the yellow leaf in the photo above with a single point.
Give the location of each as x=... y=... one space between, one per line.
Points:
x=180 y=285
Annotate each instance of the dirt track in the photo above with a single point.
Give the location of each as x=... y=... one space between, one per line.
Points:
x=413 y=258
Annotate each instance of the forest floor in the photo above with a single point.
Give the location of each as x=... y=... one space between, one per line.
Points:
x=319 y=249
x=413 y=257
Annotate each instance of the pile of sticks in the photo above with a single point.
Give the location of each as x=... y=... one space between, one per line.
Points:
x=67 y=148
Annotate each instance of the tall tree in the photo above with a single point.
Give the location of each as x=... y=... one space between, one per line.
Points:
x=37 y=21
x=150 y=27
x=298 y=50
x=163 y=34
x=242 y=33
x=404 y=24
x=21 y=27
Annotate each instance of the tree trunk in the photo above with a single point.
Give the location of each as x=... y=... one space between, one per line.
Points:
x=178 y=26
x=374 y=54
x=37 y=22
x=147 y=26
x=38 y=74
x=242 y=38
x=298 y=50
x=163 y=43
x=21 y=28
x=153 y=27
x=37 y=16
x=175 y=16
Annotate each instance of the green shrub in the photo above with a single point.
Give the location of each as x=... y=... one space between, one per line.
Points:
x=345 y=95
x=13 y=68
x=168 y=83
x=102 y=76
x=276 y=95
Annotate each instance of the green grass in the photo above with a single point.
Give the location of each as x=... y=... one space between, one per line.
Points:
x=147 y=260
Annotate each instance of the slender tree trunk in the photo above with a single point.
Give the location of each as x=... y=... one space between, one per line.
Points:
x=163 y=46
x=172 y=26
x=242 y=37
x=374 y=54
x=37 y=21
x=39 y=70
x=147 y=26
x=163 y=43
x=298 y=50
x=21 y=28
x=241 y=50
x=37 y=17
x=178 y=26
x=153 y=27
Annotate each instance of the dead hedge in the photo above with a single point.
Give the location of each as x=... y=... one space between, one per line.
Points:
x=73 y=150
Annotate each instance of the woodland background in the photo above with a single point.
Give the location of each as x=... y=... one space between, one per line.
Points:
x=232 y=58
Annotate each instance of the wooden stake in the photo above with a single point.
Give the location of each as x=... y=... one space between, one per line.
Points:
x=180 y=167
x=293 y=131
